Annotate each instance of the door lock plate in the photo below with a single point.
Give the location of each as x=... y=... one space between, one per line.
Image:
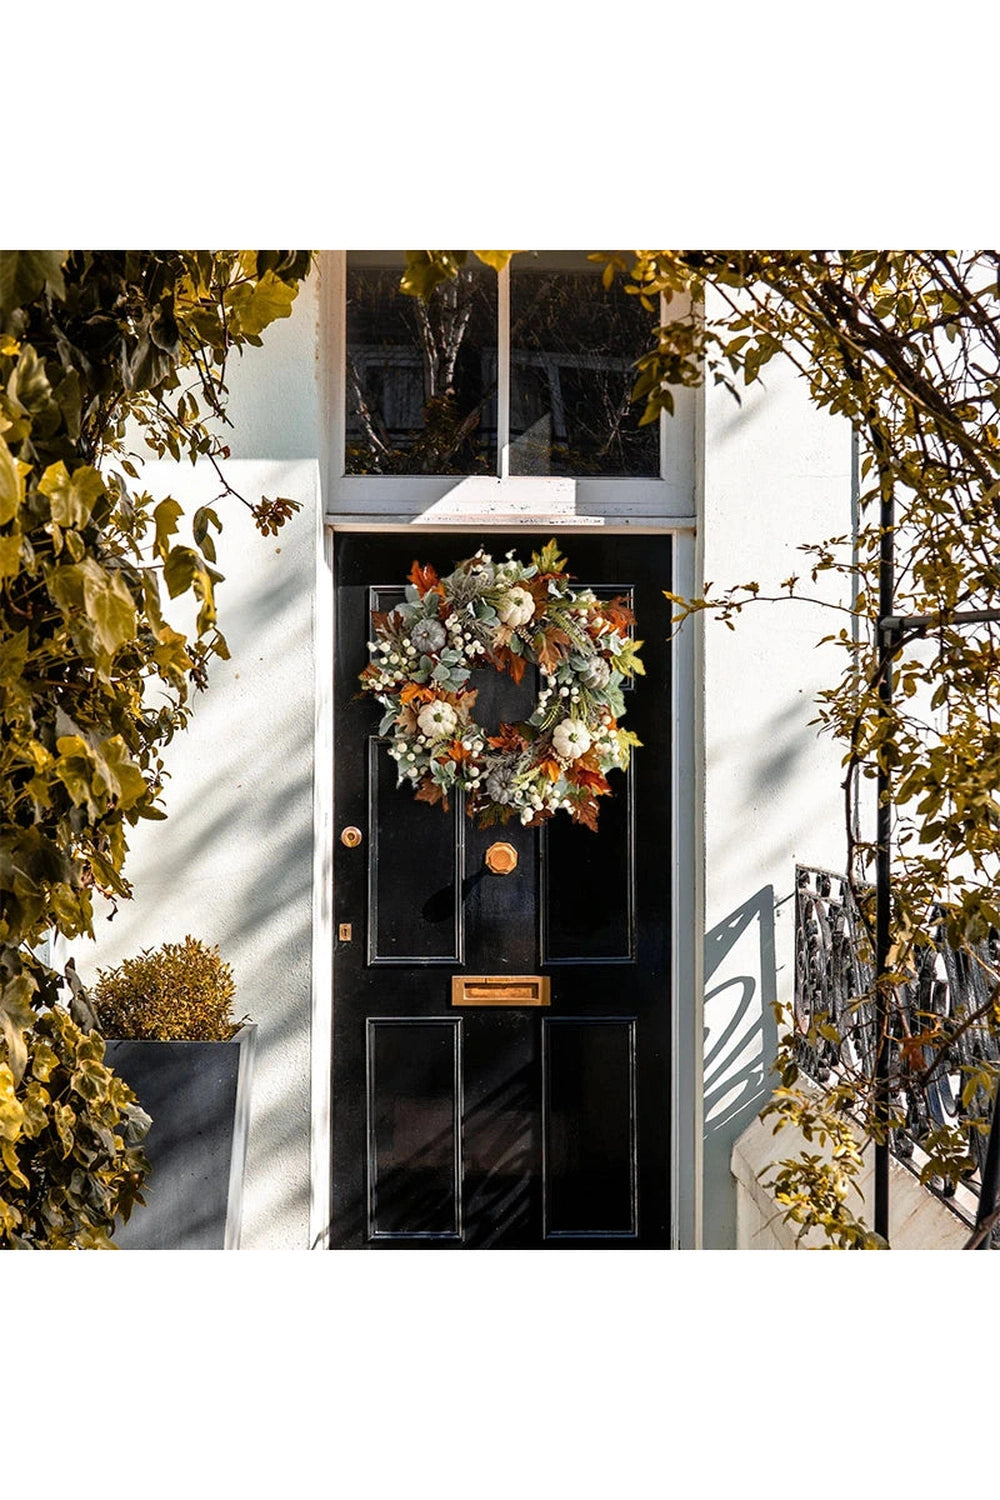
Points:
x=500 y=989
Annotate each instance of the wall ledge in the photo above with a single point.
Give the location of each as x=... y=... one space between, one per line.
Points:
x=918 y=1220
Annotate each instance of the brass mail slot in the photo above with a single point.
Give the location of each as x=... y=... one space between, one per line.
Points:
x=500 y=989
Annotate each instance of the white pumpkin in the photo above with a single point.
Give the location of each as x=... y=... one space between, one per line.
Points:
x=437 y=720
x=570 y=739
x=515 y=608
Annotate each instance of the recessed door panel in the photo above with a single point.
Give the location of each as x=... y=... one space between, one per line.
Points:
x=590 y=1153
x=414 y=1128
x=588 y=885
x=414 y=866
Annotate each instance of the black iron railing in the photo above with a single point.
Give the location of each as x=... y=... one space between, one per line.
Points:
x=833 y=978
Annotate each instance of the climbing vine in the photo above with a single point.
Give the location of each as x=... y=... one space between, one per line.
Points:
x=104 y=357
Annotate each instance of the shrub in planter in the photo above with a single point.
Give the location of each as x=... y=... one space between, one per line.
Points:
x=71 y=1164
x=180 y=992
x=167 y=1015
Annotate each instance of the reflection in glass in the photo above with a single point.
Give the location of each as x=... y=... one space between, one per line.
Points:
x=573 y=351
x=421 y=376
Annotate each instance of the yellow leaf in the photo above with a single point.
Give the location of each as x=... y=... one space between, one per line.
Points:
x=11 y=484
x=495 y=258
x=10 y=555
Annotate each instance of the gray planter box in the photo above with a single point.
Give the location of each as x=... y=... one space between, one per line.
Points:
x=198 y=1094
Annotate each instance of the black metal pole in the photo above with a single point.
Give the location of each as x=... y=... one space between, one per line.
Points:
x=883 y=865
x=991 y=1176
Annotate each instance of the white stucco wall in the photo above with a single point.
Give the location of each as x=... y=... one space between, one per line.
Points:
x=274 y=390
x=233 y=862
x=776 y=474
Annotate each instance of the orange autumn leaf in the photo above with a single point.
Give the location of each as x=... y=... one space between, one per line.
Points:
x=429 y=791
x=538 y=588
x=507 y=661
x=548 y=647
x=596 y=781
x=509 y=738
x=618 y=613
x=424 y=579
x=413 y=690
x=586 y=813
x=552 y=769
x=912 y=1048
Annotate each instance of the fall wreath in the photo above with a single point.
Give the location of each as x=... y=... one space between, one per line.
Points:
x=507 y=615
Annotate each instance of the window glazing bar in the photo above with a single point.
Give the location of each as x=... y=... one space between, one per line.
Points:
x=503 y=372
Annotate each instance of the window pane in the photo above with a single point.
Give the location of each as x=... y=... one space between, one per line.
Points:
x=573 y=349
x=421 y=376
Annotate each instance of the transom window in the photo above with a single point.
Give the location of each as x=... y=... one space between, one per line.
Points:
x=525 y=374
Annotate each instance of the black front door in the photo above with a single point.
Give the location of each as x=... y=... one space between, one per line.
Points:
x=513 y=1125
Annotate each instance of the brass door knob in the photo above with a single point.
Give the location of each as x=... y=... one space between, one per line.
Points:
x=501 y=859
x=351 y=837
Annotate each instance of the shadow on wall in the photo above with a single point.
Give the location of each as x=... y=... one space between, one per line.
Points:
x=741 y=1041
x=256 y=905
x=232 y=863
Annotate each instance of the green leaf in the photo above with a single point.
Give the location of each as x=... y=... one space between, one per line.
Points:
x=257 y=306
x=203 y=518
x=96 y=605
x=43 y=1061
x=147 y=367
x=75 y=769
x=121 y=773
x=111 y=607
x=184 y=569
x=11 y=1109
x=11 y=485
x=10 y=555
x=425 y=269
x=166 y=515
x=8 y=1153
x=72 y=498
x=17 y=1017
x=24 y=273
x=180 y=569
x=135 y=1124
x=30 y=390
x=627 y=659
x=549 y=560
x=495 y=258
x=90 y=1080
x=64 y=1119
